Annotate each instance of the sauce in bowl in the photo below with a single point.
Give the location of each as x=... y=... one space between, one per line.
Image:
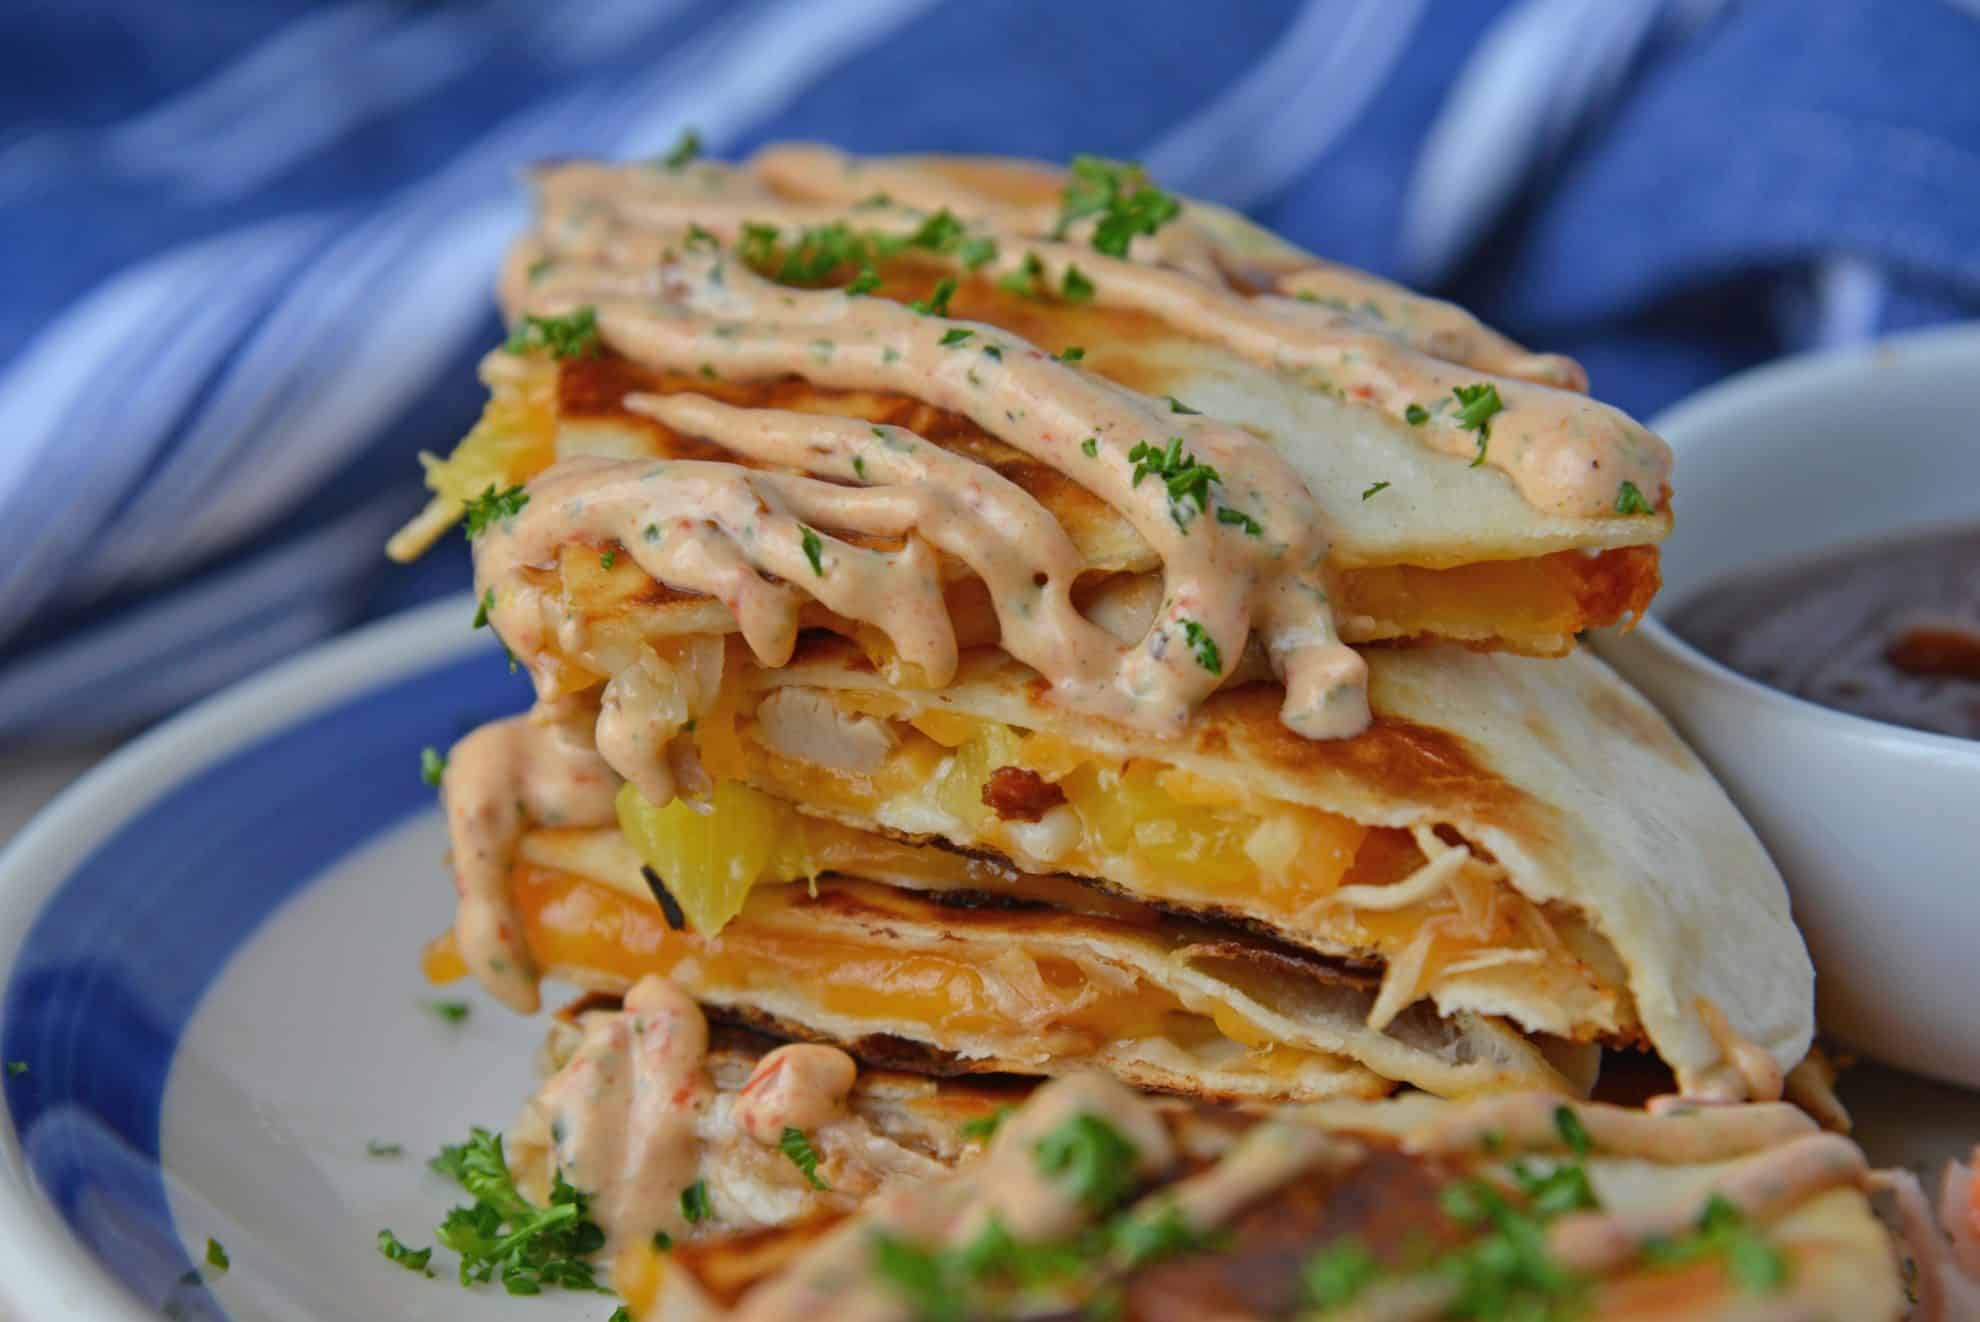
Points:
x=1888 y=630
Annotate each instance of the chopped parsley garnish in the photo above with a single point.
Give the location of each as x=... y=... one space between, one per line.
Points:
x=812 y=548
x=493 y=506
x=1074 y=287
x=620 y=1314
x=994 y=352
x=1177 y=406
x=1251 y=526
x=413 y=1260
x=574 y=335
x=859 y=468
x=1723 y=1232
x=1507 y=1271
x=1205 y=647
x=985 y=1127
x=694 y=1203
x=1091 y=1159
x=1072 y=353
x=504 y=1234
x=1024 y=280
x=1140 y=1240
x=216 y=1255
x=1372 y=488
x=920 y=1278
x=798 y=1148
x=453 y=1012
x=1185 y=478
x=976 y=251
x=539 y=268
x=377 y=1148
x=1416 y=415
x=685 y=149
x=610 y=556
x=1090 y=447
x=937 y=303
x=1572 y=1131
x=700 y=239
x=1630 y=501
x=16 y=1068
x=1335 y=1276
x=865 y=282
x=662 y=1241
x=939 y=233
x=955 y=336
x=1476 y=405
x=1119 y=193
x=758 y=245
x=432 y=766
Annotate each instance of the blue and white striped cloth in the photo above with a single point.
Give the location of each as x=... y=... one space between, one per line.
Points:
x=247 y=247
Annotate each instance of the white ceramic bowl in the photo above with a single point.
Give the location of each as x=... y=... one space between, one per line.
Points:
x=1875 y=827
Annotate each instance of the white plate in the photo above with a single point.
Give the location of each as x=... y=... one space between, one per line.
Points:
x=210 y=948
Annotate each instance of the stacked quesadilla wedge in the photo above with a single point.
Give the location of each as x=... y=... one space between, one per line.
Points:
x=1002 y=621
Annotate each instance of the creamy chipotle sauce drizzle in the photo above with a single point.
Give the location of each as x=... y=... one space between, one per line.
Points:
x=1372 y=343
x=540 y=769
x=713 y=527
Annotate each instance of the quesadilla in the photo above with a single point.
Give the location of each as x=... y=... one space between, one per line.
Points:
x=931 y=338
x=1089 y=1201
x=827 y=520
x=1516 y=864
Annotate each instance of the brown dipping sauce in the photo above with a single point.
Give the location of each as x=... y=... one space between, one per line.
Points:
x=1888 y=630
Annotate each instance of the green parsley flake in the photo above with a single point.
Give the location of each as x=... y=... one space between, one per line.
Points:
x=453 y=1012
x=1251 y=526
x=954 y=336
x=432 y=766
x=1090 y=447
x=1074 y=287
x=937 y=303
x=865 y=282
x=16 y=1068
x=1372 y=488
x=995 y=352
x=812 y=549
x=1072 y=353
x=1140 y=1240
x=685 y=149
x=1204 y=646
x=1416 y=415
x=1024 y=280
x=1091 y=1159
x=1630 y=501
x=695 y=1205
x=941 y=232
x=1336 y=1276
x=216 y=1255
x=1177 y=406
x=413 y=1260
x=1572 y=1131
x=976 y=252
x=620 y=1314
x=699 y=239
x=482 y=609
x=1119 y=193
x=798 y=1148
x=1185 y=478
x=574 y=335
x=610 y=557
x=985 y=1127
x=493 y=506
x=662 y=1241
x=1476 y=406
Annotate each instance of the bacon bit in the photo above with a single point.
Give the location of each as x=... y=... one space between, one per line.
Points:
x=1017 y=795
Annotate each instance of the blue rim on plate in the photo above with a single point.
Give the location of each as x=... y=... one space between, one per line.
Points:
x=113 y=930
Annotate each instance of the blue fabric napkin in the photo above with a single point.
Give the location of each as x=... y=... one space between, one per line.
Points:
x=247 y=247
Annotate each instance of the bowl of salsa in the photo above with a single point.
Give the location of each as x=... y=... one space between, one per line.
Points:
x=1818 y=642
